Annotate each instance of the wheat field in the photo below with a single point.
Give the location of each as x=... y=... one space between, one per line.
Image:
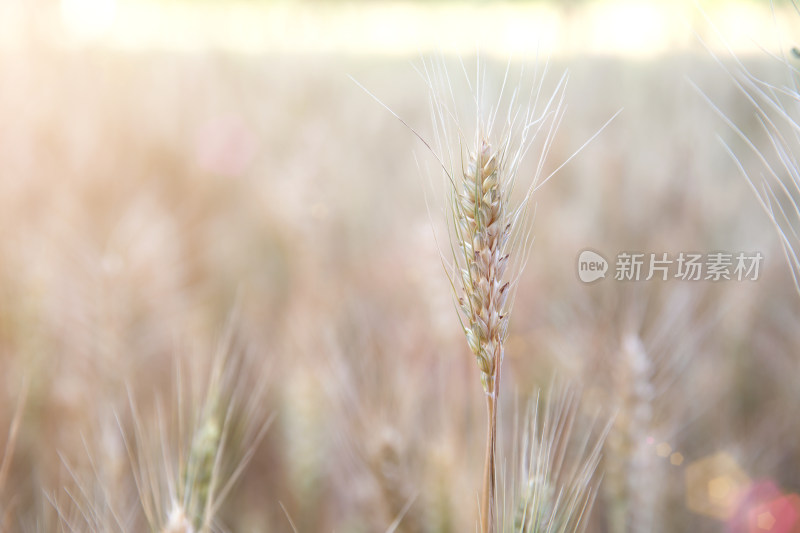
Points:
x=223 y=305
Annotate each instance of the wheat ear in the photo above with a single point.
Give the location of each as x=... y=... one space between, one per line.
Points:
x=488 y=235
x=482 y=233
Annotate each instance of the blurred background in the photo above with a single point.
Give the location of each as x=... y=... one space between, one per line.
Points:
x=177 y=172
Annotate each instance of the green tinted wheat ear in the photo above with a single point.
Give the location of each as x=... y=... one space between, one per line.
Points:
x=559 y=454
x=185 y=459
x=482 y=234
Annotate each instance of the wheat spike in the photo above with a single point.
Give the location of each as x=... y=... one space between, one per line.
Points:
x=483 y=233
x=488 y=235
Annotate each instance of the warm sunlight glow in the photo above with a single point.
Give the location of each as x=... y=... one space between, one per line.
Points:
x=88 y=18
x=630 y=28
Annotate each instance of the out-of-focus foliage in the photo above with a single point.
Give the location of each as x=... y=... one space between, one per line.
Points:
x=145 y=197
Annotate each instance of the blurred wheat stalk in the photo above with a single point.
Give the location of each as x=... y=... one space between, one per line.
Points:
x=8 y=455
x=556 y=488
x=776 y=109
x=184 y=461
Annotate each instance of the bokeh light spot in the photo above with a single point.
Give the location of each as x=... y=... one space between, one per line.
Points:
x=663 y=449
x=676 y=458
x=780 y=515
x=758 y=493
x=766 y=521
x=714 y=485
x=720 y=488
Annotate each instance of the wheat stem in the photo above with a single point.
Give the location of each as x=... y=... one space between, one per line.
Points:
x=489 y=492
